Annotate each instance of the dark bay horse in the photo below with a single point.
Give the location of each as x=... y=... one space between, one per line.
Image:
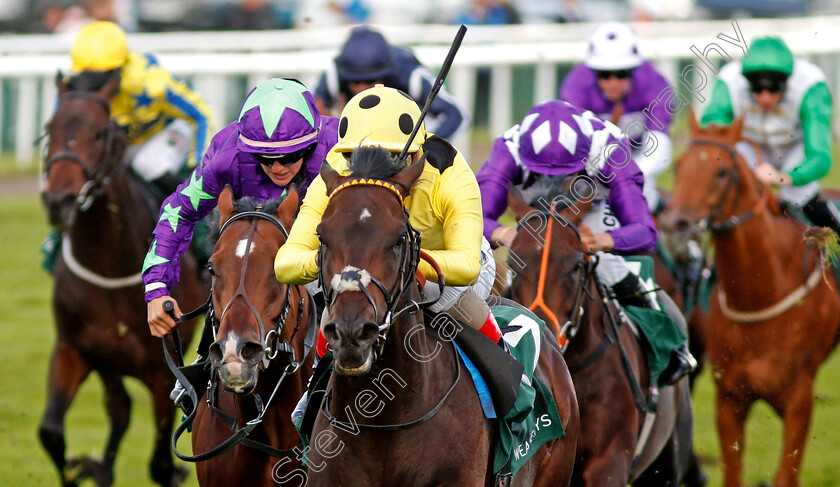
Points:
x=258 y=318
x=557 y=280
x=774 y=317
x=106 y=218
x=401 y=411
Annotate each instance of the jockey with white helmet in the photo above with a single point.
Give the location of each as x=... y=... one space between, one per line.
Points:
x=618 y=85
x=556 y=141
x=787 y=109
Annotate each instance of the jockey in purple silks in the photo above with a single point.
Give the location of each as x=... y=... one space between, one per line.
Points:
x=278 y=141
x=618 y=85
x=556 y=141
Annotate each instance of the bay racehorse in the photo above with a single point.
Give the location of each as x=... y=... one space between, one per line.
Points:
x=259 y=362
x=774 y=315
x=106 y=217
x=624 y=435
x=399 y=409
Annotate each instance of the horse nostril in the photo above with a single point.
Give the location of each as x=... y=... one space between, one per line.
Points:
x=330 y=331
x=368 y=332
x=216 y=353
x=252 y=352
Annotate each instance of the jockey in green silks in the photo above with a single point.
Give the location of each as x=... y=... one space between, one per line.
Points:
x=787 y=110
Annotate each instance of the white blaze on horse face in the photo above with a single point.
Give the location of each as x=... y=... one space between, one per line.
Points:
x=704 y=155
x=364 y=216
x=339 y=283
x=241 y=246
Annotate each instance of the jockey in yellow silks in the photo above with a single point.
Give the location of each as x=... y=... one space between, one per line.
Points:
x=444 y=206
x=167 y=124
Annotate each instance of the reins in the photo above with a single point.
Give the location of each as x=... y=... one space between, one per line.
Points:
x=271 y=351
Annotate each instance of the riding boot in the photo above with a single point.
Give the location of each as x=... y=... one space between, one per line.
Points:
x=630 y=292
x=178 y=394
x=682 y=363
x=473 y=311
x=822 y=213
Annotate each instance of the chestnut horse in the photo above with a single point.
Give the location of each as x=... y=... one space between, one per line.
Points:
x=258 y=350
x=106 y=217
x=774 y=316
x=557 y=279
x=424 y=426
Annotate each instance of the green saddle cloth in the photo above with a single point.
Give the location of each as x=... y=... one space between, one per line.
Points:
x=534 y=419
x=661 y=334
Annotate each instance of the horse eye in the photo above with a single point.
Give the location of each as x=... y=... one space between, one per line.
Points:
x=722 y=173
x=400 y=241
x=101 y=134
x=210 y=269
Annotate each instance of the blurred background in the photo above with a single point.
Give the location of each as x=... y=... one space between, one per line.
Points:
x=515 y=54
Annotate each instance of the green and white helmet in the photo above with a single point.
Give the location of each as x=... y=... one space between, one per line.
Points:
x=768 y=54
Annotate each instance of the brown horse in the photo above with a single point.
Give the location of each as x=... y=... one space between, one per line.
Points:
x=259 y=318
x=774 y=318
x=404 y=414
x=557 y=280
x=106 y=218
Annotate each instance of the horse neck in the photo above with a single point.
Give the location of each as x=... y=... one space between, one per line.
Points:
x=754 y=258
x=590 y=331
x=413 y=373
x=110 y=237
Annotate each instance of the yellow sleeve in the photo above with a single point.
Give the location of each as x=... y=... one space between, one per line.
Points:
x=182 y=102
x=457 y=201
x=297 y=260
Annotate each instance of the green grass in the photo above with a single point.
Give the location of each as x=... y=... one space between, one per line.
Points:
x=28 y=335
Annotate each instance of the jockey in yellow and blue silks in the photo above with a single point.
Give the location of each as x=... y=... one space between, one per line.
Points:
x=787 y=109
x=167 y=124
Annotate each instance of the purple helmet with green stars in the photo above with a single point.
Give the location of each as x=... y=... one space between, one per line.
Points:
x=279 y=116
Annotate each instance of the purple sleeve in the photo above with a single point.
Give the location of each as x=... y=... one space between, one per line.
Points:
x=654 y=84
x=577 y=85
x=194 y=199
x=493 y=179
x=637 y=234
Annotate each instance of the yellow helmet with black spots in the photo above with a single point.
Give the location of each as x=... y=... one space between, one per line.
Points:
x=99 y=46
x=379 y=116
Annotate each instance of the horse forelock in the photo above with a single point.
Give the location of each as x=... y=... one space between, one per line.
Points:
x=374 y=162
x=246 y=203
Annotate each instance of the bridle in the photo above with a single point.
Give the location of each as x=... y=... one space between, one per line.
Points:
x=728 y=224
x=98 y=175
x=410 y=255
x=272 y=341
x=570 y=328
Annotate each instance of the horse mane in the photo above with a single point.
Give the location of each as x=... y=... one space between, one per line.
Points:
x=246 y=203
x=374 y=162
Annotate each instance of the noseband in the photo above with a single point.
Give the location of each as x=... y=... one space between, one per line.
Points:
x=97 y=175
x=570 y=328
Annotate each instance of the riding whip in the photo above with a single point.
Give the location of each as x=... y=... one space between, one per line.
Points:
x=444 y=70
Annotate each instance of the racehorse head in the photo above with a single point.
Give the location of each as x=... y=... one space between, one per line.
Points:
x=84 y=150
x=548 y=250
x=712 y=182
x=368 y=253
x=255 y=309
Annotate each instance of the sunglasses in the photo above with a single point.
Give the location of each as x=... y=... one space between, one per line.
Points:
x=617 y=73
x=283 y=159
x=772 y=86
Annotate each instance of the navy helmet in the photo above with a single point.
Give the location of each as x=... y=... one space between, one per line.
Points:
x=366 y=56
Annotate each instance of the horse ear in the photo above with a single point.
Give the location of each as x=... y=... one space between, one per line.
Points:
x=409 y=175
x=693 y=126
x=60 y=84
x=225 y=205
x=516 y=204
x=734 y=130
x=330 y=176
x=110 y=89
x=287 y=209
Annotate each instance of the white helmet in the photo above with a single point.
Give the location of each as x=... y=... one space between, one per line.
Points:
x=613 y=46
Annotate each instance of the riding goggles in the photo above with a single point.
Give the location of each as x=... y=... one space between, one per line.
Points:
x=617 y=73
x=283 y=159
x=772 y=82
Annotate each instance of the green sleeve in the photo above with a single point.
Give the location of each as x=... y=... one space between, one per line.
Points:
x=815 y=113
x=719 y=109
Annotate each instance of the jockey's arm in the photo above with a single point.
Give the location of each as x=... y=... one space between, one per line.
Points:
x=457 y=201
x=297 y=260
x=194 y=199
x=180 y=101
x=499 y=171
x=815 y=113
x=719 y=110
x=637 y=233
